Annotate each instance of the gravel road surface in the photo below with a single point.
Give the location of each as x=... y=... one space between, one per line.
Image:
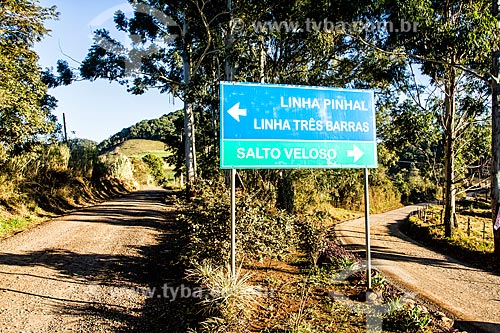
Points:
x=89 y=271
x=469 y=294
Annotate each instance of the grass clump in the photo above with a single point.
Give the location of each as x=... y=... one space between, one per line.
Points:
x=8 y=226
x=226 y=300
x=406 y=317
x=53 y=179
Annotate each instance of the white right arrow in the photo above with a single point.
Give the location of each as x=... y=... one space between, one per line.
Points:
x=236 y=112
x=355 y=152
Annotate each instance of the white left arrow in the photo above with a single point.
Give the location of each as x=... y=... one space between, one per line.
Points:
x=355 y=152
x=236 y=112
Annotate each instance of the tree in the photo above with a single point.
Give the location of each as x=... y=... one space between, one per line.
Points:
x=170 y=41
x=450 y=43
x=495 y=113
x=25 y=107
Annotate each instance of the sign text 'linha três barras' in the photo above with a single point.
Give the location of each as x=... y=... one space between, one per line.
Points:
x=310 y=125
x=324 y=103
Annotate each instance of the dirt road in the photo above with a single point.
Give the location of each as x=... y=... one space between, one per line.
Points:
x=470 y=294
x=89 y=271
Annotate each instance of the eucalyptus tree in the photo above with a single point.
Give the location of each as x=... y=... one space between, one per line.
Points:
x=451 y=42
x=170 y=41
x=25 y=107
x=495 y=111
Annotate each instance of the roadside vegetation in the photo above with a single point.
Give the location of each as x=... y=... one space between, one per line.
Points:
x=149 y=159
x=54 y=179
x=292 y=277
x=473 y=240
x=57 y=178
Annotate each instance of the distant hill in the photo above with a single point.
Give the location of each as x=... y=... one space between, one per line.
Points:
x=139 y=148
x=162 y=129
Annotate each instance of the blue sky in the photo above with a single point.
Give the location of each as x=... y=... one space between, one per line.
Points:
x=94 y=110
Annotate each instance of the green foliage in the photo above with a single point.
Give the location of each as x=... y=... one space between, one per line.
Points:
x=454 y=32
x=420 y=143
x=141 y=172
x=407 y=318
x=263 y=231
x=25 y=108
x=453 y=45
x=157 y=168
x=83 y=157
x=50 y=179
x=413 y=187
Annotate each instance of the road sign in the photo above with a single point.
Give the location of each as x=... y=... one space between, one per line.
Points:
x=265 y=126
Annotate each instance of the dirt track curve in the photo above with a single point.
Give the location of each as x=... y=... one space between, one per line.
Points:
x=470 y=294
x=81 y=272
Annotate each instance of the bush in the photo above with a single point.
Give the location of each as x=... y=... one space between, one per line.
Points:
x=83 y=157
x=115 y=166
x=261 y=230
x=414 y=188
x=312 y=236
x=157 y=168
x=409 y=317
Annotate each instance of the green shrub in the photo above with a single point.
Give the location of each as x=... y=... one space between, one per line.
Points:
x=261 y=230
x=157 y=168
x=312 y=236
x=407 y=318
x=414 y=188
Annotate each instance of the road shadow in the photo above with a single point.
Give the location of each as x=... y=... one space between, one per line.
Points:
x=154 y=266
x=398 y=229
x=477 y=327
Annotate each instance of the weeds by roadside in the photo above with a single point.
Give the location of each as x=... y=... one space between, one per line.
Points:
x=310 y=282
x=473 y=237
x=54 y=179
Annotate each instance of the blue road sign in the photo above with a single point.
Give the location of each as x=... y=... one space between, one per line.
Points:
x=282 y=126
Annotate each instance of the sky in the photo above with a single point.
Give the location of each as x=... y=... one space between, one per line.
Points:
x=94 y=110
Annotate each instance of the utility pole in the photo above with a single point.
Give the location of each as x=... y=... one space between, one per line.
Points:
x=495 y=135
x=65 y=130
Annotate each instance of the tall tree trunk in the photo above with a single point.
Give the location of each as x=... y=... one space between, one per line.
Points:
x=495 y=164
x=229 y=66
x=189 y=125
x=449 y=165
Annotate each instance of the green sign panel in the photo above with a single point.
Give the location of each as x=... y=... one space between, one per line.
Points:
x=280 y=127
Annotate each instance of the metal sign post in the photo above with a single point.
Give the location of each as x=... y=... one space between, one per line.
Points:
x=367 y=234
x=233 y=223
